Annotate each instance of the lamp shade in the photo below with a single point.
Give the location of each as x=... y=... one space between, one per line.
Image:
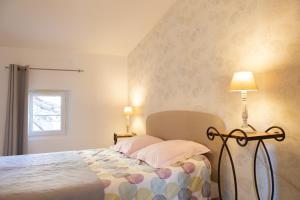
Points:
x=128 y=110
x=243 y=81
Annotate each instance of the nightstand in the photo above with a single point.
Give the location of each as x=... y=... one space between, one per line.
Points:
x=122 y=135
x=242 y=138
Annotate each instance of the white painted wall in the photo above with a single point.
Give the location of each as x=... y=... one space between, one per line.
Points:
x=96 y=96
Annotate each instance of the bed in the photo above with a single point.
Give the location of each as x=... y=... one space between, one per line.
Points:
x=106 y=174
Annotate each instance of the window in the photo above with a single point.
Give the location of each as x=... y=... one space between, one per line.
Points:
x=47 y=112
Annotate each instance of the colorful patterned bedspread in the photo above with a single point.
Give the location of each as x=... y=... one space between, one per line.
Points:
x=130 y=179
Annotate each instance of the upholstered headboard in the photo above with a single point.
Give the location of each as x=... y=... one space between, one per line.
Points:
x=187 y=125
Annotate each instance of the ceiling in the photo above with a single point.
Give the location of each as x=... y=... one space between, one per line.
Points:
x=91 y=26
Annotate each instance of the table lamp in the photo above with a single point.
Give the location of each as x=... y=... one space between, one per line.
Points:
x=128 y=112
x=244 y=82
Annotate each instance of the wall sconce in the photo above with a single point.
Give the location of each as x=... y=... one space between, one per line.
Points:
x=128 y=112
x=244 y=82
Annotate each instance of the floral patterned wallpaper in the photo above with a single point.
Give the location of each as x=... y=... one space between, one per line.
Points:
x=186 y=63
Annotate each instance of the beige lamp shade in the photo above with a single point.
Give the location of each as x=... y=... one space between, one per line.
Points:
x=128 y=110
x=243 y=81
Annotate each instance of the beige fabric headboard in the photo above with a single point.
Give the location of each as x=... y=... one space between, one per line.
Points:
x=187 y=125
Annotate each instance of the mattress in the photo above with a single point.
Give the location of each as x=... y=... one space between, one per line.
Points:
x=101 y=174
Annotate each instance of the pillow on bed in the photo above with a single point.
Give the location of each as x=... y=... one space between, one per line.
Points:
x=135 y=143
x=166 y=153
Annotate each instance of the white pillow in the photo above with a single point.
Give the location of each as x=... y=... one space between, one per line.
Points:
x=135 y=143
x=166 y=153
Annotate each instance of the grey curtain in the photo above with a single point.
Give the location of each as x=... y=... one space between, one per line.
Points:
x=16 y=127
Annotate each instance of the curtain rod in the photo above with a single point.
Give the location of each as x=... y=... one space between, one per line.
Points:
x=54 y=69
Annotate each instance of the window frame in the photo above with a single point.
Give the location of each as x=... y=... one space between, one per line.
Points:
x=64 y=98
